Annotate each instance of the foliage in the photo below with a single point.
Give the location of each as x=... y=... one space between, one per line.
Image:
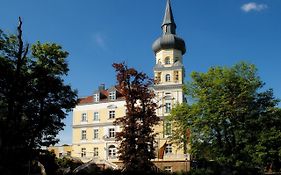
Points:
x=48 y=160
x=67 y=162
x=232 y=121
x=137 y=135
x=33 y=98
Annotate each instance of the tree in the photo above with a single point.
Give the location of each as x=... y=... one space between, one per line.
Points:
x=232 y=121
x=33 y=98
x=137 y=135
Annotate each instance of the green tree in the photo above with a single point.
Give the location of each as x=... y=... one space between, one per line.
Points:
x=33 y=99
x=232 y=121
x=137 y=136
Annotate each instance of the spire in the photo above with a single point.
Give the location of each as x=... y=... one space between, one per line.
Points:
x=169 y=39
x=168 y=25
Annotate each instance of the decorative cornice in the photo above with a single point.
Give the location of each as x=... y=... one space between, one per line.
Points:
x=164 y=87
x=158 y=68
x=93 y=125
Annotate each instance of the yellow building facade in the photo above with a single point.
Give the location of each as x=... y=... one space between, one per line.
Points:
x=93 y=133
x=61 y=151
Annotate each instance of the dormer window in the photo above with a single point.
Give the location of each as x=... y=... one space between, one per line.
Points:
x=112 y=95
x=167 y=60
x=96 y=97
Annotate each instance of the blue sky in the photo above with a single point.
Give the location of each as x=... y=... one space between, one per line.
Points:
x=97 y=33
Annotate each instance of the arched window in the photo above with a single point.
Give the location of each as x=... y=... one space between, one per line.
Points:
x=167 y=60
x=112 y=151
x=168 y=78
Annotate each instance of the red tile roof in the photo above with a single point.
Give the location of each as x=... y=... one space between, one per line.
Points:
x=86 y=100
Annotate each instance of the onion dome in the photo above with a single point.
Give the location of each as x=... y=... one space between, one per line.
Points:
x=169 y=39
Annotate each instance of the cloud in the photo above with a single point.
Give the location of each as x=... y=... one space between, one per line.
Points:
x=252 y=6
x=99 y=40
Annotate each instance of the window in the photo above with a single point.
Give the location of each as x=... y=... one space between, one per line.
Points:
x=96 y=152
x=83 y=135
x=176 y=59
x=176 y=75
x=96 y=133
x=112 y=95
x=96 y=97
x=168 y=168
x=167 y=107
x=168 y=78
x=112 y=151
x=83 y=152
x=111 y=114
x=158 y=78
x=167 y=60
x=111 y=132
x=168 y=128
x=96 y=116
x=168 y=149
x=84 y=117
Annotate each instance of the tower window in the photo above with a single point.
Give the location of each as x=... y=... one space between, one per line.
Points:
x=168 y=78
x=168 y=128
x=167 y=107
x=176 y=75
x=167 y=60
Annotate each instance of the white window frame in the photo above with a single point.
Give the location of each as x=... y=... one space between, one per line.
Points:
x=96 y=133
x=96 y=97
x=84 y=117
x=96 y=116
x=83 y=134
x=168 y=107
x=83 y=152
x=169 y=149
x=112 y=151
x=111 y=132
x=111 y=114
x=96 y=152
x=112 y=95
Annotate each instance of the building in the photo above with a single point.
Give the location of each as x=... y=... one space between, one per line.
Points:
x=61 y=151
x=93 y=129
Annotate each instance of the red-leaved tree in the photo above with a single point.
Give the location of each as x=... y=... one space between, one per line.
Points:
x=137 y=136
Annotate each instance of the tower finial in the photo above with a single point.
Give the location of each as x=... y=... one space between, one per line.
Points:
x=169 y=25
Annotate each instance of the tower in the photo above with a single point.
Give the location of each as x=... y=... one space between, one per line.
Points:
x=168 y=70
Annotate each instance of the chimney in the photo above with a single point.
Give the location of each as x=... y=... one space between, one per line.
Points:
x=101 y=87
